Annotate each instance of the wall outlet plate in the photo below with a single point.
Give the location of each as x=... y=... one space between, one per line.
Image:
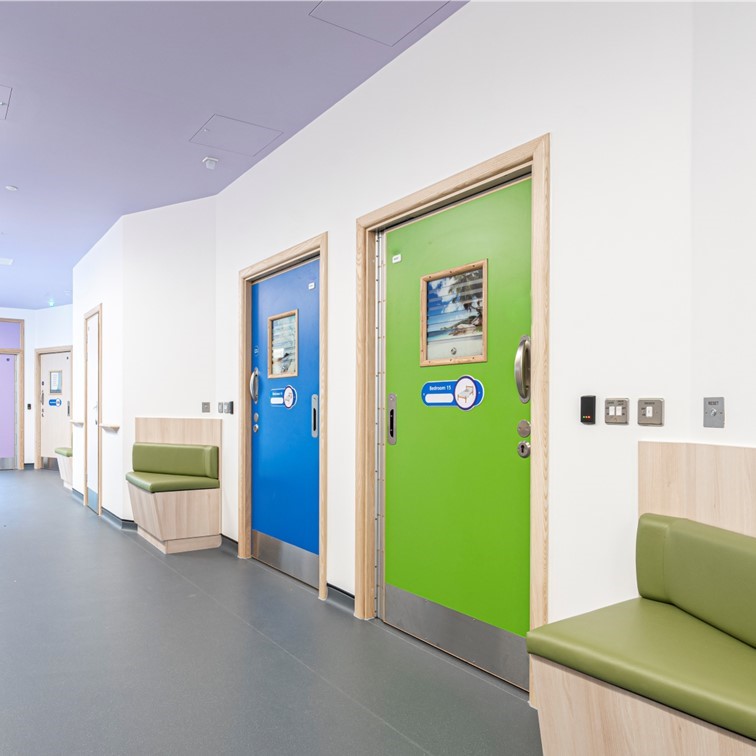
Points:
x=650 y=411
x=714 y=412
x=206 y=406
x=616 y=411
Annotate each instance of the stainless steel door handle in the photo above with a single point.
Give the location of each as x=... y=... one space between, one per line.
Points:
x=392 y=419
x=254 y=385
x=522 y=369
x=315 y=416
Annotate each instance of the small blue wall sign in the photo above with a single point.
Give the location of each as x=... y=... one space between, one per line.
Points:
x=283 y=397
x=465 y=392
x=54 y=402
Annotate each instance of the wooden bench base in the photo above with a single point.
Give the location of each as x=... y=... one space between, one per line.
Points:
x=177 y=521
x=65 y=468
x=581 y=716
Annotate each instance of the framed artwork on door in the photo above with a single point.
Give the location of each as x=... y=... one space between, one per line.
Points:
x=454 y=315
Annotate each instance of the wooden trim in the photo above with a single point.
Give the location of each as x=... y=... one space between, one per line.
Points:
x=317 y=247
x=581 y=716
x=532 y=158
x=280 y=316
x=20 y=368
x=424 y=281
x=715 y=485
x=37 y=408
x=87 y=315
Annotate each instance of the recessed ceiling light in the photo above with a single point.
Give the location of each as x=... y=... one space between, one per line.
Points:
x=210 y=162
x=11 y=188
x=6 y=261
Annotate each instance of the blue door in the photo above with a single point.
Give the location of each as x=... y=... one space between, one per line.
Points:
x=285 y=420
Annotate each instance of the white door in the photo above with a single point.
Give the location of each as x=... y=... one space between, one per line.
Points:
x=92 y=420
x=55 y=400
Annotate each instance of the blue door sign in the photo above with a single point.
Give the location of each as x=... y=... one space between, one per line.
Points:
x=54 y=402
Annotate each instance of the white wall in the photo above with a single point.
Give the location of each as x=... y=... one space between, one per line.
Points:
x=169 y=324
x=724 y=198
x=612 y=86
x=651 y=248
x=48 y=327
x=98 y=279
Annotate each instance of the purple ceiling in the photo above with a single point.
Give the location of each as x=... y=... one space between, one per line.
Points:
x=113 y=106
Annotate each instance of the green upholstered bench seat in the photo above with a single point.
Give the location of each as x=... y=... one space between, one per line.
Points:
x=162 y=482
x=64 y=451
x=663 y=653
x=689 y=641
x=174 y=467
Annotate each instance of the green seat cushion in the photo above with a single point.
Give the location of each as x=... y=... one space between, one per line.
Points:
x=64 y=451
x=659 y=651
x=176 y=459
x=161 y=482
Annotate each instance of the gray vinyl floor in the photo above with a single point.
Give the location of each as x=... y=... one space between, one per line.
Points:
x=109 y=647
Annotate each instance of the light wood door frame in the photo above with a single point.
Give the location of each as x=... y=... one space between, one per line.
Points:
x=529 y=159
x=94 y=311
x=38 y=407
x=19 y=354
x=315 y=248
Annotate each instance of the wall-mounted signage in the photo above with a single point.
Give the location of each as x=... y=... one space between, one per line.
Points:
x=283 y=397
x=54 y=402
x=465 y=392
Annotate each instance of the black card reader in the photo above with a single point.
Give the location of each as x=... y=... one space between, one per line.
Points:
x=588 y=410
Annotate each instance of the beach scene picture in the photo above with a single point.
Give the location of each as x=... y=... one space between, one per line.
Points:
x=282 y=331
x=455 y=320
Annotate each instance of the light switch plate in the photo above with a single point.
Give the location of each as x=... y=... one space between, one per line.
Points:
x=616 y=411
x=206 y=406
x=714 y=412
x=220 y=407
x=650 y=411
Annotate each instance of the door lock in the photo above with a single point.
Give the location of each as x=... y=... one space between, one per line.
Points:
x=523 y=449
x=255 y=428
x=523 y=428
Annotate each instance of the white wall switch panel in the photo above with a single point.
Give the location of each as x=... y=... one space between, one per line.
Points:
x=650 y=411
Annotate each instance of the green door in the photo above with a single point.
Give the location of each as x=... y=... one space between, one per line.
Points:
x=456 y=531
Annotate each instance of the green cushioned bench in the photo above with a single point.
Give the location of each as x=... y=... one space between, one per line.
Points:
x=175 y=495
x=688 y=643
x=64 y=451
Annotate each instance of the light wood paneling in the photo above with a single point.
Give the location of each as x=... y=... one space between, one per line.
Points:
x=715 y=485
x=94 y=312
x=317 y=247
x=181 y=545
x=533 y=159
x=177 y=514
x=581 y=716
x=178 y=430
x=65 y=468
x=20 y=368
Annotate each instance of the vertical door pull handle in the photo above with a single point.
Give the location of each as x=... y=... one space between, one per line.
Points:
x=254 y=385
x=68 y=408
x=315 y=419
x=392 y=419
x=522 y=369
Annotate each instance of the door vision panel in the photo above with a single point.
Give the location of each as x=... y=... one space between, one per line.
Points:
x=456 y=509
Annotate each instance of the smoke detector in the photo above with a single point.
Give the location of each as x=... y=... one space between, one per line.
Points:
x=210 y=162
